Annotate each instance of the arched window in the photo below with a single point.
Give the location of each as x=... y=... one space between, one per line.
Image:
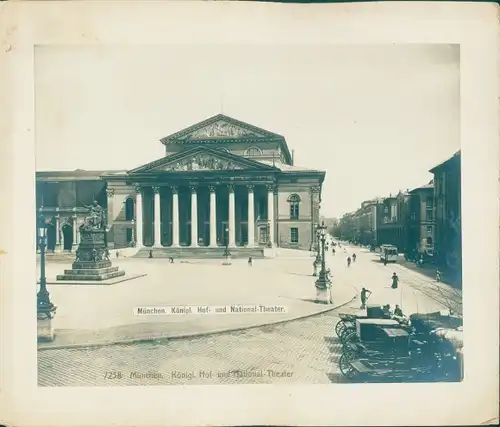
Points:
x=294 y=201
x=129 y=209
x=253 y=151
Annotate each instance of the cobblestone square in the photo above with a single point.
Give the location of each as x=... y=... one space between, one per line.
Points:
x=304 y=351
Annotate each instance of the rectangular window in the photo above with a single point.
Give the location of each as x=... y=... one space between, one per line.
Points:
x=294 y=210
x=429 y=229
x=429 y=214
x=294 y=235
x=429 y=203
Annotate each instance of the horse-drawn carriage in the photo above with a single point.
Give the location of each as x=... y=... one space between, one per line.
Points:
x=346 y=326
x=381 y=349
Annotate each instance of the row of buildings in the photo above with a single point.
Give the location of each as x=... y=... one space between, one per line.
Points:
x=426 y=219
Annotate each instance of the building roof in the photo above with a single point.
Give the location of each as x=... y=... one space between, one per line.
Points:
x=443 y=164
x=74 y=175
x=428 y=186
x=288 y=168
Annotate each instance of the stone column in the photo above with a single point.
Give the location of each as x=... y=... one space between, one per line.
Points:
x=58 y=231
x=138 y=217
x=157 y=216
x=251 y=220
x=270 y=212
x=213 y=218
x=175 y=217
x=194 y=218
x=231 y=219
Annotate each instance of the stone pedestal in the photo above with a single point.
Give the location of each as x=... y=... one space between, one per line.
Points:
x=315 y=269
x=323 y=287
x=92 y=261
x=323 y=296
x=45 y=329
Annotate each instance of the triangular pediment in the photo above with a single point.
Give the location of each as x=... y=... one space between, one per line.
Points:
x=201 y=159
x=220 y=127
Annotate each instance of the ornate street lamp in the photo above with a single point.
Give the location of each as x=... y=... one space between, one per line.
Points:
x=45 y=308
x=323 y=284
x=226 y=254
x=317 y=260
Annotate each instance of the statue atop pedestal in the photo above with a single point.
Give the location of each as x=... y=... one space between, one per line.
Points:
x=92 y=260
x=95 y=219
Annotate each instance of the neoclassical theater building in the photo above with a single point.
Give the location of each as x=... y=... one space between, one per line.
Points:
x=221 y=181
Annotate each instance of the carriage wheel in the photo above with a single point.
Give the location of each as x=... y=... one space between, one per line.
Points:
x=339 y=327
x=345 y=330
x=345 y=366
x=348 y=336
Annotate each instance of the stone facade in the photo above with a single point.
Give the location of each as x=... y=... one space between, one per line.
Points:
x=220 y=181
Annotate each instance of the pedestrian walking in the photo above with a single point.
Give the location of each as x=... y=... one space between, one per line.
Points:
x=385 y=261
x=395 y=281
x=151 y=253
x=353 y=257
x=348 y=261
x=365 y=294
x=250 y=261
x=171 y=260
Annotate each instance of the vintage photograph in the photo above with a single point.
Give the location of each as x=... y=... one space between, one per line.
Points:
x=232 y=214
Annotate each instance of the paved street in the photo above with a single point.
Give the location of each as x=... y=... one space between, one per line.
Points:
x=301 y=351
x=103 y=314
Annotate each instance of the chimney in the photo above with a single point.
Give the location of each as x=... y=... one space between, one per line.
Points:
x=293 y=155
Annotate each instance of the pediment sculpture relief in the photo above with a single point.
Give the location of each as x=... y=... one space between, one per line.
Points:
x=220 y=129
x=203 y=163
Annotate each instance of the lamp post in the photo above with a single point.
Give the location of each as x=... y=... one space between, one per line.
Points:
x=226 y=254
x=323 y=284
x=317 y=260
x=45 y=308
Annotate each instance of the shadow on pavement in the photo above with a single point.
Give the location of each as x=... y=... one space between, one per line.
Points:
x=300 y=274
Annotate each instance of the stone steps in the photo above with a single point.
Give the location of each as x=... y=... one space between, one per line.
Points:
x=200 y=253
x=92 y=277
x=91 y=272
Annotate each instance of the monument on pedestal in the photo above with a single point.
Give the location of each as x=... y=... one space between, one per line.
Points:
x=92 y=261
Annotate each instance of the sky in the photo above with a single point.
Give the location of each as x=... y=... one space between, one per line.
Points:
x=375 y=118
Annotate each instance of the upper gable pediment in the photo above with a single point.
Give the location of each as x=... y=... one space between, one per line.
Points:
x=201 y=160
x=219 y=127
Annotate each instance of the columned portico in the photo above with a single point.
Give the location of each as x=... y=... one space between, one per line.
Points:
x=198 y=212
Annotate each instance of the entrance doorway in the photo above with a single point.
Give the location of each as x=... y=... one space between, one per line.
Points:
x=51 y=237
x=205 y=233
x=67 y=232
x=243 y=233
x=263 y=235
